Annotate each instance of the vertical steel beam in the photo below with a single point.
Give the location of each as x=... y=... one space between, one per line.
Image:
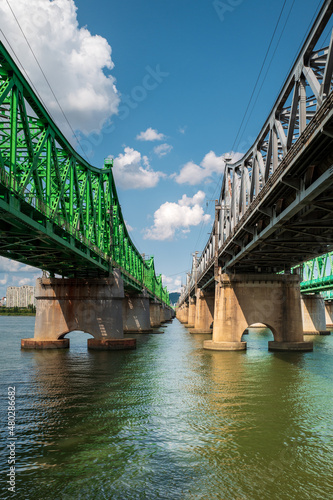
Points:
x=293 y=113
x=13 y=134
x=269 y=155
x=275 y=149
x=327 y=78
x=48 y=172
x=71 y=194
x=302 y=104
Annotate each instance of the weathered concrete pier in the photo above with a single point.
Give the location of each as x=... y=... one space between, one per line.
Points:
x=97 y=306
x=313 y=315
x=243 y=300
x=329 y=314
x=204 y=312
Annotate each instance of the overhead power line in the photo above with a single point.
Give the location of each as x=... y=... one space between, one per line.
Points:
x=258 y=78
x=271 y=60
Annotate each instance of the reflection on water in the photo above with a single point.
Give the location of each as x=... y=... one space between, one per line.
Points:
x=168 y=420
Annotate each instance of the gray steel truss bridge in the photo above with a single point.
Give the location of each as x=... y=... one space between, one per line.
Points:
x=275 y=210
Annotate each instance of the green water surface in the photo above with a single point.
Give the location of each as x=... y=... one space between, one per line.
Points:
x=169 y=420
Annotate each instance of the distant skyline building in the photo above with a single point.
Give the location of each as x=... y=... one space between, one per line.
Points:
x=12 y=296
x=20 y=296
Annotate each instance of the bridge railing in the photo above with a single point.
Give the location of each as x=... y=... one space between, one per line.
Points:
x=40 y=168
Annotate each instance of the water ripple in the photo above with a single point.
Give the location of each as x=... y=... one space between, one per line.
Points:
x=169 y=420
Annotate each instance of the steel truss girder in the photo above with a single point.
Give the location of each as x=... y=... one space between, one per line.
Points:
x=318 y=274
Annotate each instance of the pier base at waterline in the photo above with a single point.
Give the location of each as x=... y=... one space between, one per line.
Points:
x=244 y=299
x=313 y=315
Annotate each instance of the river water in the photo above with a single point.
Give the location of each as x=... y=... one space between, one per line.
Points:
x=168 y=420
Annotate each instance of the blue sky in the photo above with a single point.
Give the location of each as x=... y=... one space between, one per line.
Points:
x=167 y=103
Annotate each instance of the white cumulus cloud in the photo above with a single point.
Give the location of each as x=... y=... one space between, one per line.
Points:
x=12 y=266
x=75 y=62
x=26 y=281
x=16 y=274
x=129 y=227
x=173 y=283
x=150 y=134
x=193 y=174
x=132 y=171
x=4 y=280
x=162 y=149
x=9 y=265
x=172 y=217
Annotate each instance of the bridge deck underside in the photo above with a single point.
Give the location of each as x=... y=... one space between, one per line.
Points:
x=29 y=237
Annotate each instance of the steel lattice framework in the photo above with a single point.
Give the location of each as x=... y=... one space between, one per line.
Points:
x=276 y=203
x=318 y=274
x=57 y=212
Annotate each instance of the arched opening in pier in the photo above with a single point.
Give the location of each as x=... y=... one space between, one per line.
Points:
x=78 y=339
x=257 y=336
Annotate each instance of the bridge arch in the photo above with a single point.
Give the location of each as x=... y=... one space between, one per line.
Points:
x=76 y=331
x=76 y=337
x=259 y=326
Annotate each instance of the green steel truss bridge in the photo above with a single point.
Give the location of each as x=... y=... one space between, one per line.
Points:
x=57 y=212
x=318 y=275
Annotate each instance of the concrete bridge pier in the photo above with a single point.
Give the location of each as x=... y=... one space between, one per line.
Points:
x=165 y=314
x=179 y=312
x=329 y=314
x=242 y=300
x=191 y=313
x=182 y=313
x=155 y=314
x=313 y=315
x=92 y=305
x=136 y=313
x=204 y=312
x=186 y=313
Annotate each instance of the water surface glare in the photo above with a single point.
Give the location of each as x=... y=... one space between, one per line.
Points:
x=168 y=420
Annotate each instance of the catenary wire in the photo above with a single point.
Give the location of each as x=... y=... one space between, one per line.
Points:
x=298 y=49
x=268 y=68
x=261 y=69
x=25 y=72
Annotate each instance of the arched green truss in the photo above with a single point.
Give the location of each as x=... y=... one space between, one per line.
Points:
x=57 y=212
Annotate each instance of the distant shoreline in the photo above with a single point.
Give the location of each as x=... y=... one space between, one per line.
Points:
x=18 y=312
